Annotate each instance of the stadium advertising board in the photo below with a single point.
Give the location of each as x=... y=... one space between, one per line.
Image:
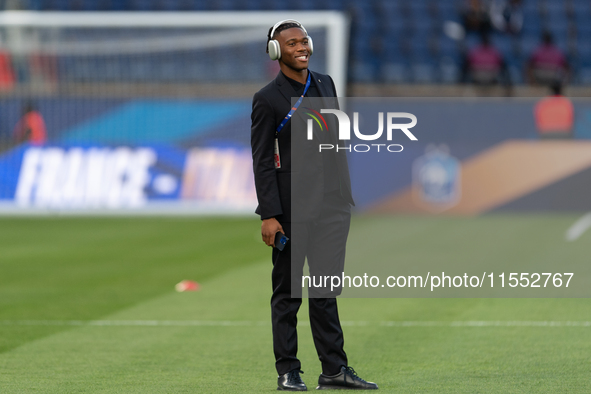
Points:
x=194 y=156
x=129 y=178
x=128 y=156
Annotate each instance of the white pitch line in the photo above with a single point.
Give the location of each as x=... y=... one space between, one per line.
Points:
x=132 y=323
x=578 y=228
x=229 y=323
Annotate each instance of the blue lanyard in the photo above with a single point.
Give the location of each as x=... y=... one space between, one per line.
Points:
x=297 y=104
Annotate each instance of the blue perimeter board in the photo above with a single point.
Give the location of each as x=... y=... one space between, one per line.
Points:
x=156 y=122
x=471 y=128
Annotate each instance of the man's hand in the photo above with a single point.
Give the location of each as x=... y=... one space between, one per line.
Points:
x=269 y=228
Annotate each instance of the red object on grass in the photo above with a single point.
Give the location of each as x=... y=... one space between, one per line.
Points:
x=187 y=285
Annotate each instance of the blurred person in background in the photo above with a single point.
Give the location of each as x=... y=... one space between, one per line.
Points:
x=506 y=15
x=475 y=17
x=547 y=64
x=31 y=127
x=554 y=115
x=484 y=65
x=7 y=75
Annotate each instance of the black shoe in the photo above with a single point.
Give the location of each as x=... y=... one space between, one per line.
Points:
x=347 y=379
x=291 y=381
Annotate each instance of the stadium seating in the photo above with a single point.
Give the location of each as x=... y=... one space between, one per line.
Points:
x=400 y=41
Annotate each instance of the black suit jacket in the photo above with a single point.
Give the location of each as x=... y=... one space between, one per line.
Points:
x=270 y=105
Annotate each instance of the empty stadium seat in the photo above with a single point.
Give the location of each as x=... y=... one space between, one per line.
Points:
x=394 y=72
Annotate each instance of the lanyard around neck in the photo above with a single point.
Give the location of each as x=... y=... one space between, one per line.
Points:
x=297 y=104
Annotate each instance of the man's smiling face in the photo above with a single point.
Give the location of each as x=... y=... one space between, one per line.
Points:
x=295 y=49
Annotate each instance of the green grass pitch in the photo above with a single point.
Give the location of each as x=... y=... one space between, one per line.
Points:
x=87 y=305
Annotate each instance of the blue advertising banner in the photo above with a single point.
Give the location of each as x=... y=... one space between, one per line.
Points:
x=90 y=177
x=194 y=156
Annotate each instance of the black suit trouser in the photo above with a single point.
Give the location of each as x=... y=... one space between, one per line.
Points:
x=323 y=242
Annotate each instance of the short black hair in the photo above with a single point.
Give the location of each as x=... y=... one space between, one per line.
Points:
x=29 y=106
x=556 y=87
x=280 y=28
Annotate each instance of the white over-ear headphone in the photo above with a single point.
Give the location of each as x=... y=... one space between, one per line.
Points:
x=273 y=46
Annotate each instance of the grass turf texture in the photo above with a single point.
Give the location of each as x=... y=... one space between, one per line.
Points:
x=124 y=270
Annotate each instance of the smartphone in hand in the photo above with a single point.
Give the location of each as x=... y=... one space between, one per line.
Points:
x=280 y=240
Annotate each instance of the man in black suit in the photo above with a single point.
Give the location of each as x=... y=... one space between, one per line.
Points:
x=318 y=222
